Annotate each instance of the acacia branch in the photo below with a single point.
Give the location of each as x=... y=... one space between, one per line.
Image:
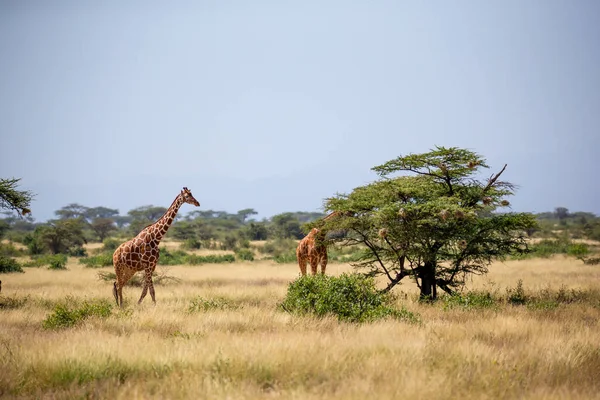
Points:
x=493 y=179
x=372 y=248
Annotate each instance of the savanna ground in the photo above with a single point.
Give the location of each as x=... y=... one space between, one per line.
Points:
x=218 y=333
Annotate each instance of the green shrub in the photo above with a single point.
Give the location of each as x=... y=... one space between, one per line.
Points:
x=191 y=244
x=517 y=295
x=52 y=261
x=8 y=264
x=9 y=250
x=99 y=261
x=200 y=304
x=562 y=245
x=209 y=259
x=578 y=250
x=346 y=254
x=77 y=252
x=470 y=300
x=229 y=242
x=278 y=246
x=110 y=244
x=244 y=254
x=350 y=297
x=58 y=263
x=285 y=258
x=175 y=257
x=69 y=313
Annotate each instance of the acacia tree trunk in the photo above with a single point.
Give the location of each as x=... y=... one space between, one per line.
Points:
x=428 y=285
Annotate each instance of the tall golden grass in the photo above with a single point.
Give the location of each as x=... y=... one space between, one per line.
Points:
x=248 y=349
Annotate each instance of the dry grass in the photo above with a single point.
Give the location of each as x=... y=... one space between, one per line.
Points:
x=247 y=349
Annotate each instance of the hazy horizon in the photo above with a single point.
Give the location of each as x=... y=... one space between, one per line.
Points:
x=276 y=106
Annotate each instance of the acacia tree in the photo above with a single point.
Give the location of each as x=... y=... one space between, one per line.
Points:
x=13 y=199
x=436 y=224
x=72 y=211
x=102 y=227
x=59 y=236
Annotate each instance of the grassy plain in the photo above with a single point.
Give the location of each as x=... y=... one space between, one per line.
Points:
x=236 y=344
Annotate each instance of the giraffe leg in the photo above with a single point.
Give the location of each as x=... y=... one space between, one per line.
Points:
x=148 y=284
x=123 y=276
x=301 y=259
x=151 y=286
x=145 y=286
x=151 y=283
x=314 y=264
x=302 y=264
x=324 y=262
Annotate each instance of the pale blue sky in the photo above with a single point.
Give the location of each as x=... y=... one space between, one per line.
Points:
x=276 y=105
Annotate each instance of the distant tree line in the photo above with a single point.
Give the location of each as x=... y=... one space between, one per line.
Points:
x=76 y=224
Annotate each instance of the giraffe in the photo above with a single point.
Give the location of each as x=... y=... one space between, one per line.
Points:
x=312 y=249
x=141 y=253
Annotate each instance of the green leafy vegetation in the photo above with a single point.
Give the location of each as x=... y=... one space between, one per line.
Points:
x=8 y=264
x=98 y=261
x=429 y=218
x=52 y=261
x=535 y=300
x=349 y=297
x=70 y=313
x=244 y=254
x=9 y=250
x=200 y=304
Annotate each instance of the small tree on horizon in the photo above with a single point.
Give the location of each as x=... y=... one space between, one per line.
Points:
x=436 y=224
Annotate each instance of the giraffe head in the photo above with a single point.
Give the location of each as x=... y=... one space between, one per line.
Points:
x=186 y=194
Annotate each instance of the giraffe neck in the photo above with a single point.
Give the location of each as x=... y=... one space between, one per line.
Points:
x=160 y=227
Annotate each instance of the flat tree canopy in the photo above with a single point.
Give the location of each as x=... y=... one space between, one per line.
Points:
x=13 y=199
x=431 y=218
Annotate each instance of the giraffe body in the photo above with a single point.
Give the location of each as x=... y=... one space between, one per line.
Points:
x=141 y=253
x=312 y=250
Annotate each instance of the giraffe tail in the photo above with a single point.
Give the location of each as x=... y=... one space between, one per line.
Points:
x=115 y=292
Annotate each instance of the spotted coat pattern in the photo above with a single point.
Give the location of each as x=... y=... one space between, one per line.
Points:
x=141 y=253
x=312 y=250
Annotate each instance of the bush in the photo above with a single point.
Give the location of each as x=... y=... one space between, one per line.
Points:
x=229 y=243
x=209 y=259
x=244 y=254
x=578 y=250
x=470 y=300
x=77 y=251
x=278 y=246
x=168 y=257
x=282 y=251
x=9 y=250
x=99 y=261
x=57 y=262
x=110 y=244
x=66 y=314
x=191 y=244
x=8 y=264
x=285 y=258
x=52 y=261
x=350 y=297
x=517 y=295
x=201 y=304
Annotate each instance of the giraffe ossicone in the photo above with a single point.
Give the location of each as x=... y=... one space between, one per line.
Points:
x=141 y=253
